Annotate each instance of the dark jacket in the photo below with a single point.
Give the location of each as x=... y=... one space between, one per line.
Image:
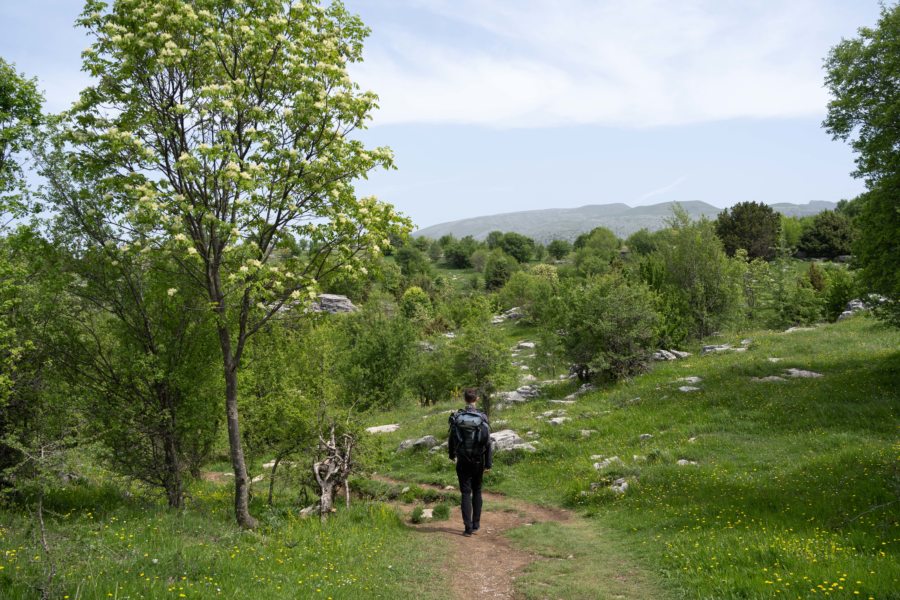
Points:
x=488 y=450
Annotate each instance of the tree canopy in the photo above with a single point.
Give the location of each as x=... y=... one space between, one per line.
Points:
x=861 y=74
x=752 y=226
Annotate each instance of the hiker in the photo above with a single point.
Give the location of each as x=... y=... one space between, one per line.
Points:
x=470 y=446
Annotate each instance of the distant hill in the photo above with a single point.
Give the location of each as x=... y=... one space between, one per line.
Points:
x=568 y=223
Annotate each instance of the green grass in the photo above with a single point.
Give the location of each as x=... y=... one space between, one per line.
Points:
x=109 y=546
x=797 y=484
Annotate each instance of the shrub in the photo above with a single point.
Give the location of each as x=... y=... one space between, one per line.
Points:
x=415 y=304
x=441 y=512
x=695 y=271
x=752 y=226
x=498 y=268
x=416 y=516
x=559 y=249
x=830 y=235
x=608 y=326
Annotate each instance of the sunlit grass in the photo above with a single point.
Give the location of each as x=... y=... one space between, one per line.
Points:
x=796 y=491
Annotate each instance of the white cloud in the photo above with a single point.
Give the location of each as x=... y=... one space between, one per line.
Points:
x=535 y=63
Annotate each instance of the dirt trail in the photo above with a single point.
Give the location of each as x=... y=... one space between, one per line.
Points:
x=490 y=562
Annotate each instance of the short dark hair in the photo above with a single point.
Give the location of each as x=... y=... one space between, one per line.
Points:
x=471 y=395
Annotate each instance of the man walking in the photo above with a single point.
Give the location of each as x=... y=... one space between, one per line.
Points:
x=470 y=445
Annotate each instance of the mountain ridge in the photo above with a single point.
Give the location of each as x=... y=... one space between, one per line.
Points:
x=546 y=224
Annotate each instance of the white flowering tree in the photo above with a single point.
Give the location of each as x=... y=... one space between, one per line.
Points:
x=220 y=130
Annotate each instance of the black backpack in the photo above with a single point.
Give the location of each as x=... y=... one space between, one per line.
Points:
x=468 y=430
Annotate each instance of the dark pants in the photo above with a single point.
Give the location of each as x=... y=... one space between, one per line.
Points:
x=470 y=476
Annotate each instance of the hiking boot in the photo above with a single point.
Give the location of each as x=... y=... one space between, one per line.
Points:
x=475 y=528
x=467 y=533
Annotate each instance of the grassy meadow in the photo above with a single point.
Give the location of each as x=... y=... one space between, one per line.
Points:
x=106 y=545
x=796 y=487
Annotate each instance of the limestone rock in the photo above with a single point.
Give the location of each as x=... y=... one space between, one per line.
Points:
x=645 y=436
x=587 y=432
x=426 y=442
x=606 y=462
x=525 y=345
x=333 y=303
x=662 y=355
x=529 y=391
x=438 y=448
x=679 y=353
x=558 y=420
x=795 y=329
x=768 y=378
x=310 y=510
x=383 y=428
x=427 y=513
x=686 y=463
x=800 y=373
x=619 y=486
x=688 y=388
x=690 y=379
x=715 y=348
x=508 y=439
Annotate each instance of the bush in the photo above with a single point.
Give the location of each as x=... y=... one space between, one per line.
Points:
x=416 y=516
x=530 y=291
x=559 y=249
x=412 y=261
x=441 y=512
x=376 y=351
x=752 y=226
x=608 y=326
x=498 y=268
x=415 y=304
x=830 y=235
x=694 y=270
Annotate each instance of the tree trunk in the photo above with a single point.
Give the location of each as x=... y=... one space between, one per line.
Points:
x=326 y=502
x=241 y=480
x=173 y=482
x=272 y=479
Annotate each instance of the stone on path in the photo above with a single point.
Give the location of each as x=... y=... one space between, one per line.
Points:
x=383 y=428
x=427 y=513
x=802 y=374
x=688 y=388
x=525 y=345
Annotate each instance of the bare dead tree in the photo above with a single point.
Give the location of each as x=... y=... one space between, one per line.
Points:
x=333 y=469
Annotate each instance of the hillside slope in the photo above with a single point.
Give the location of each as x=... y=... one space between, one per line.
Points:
x=568 y=223
x=787 y=487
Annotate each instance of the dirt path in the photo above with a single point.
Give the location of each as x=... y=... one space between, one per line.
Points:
x=489 y=561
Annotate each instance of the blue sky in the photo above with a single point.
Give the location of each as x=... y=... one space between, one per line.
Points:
x=500 y=105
